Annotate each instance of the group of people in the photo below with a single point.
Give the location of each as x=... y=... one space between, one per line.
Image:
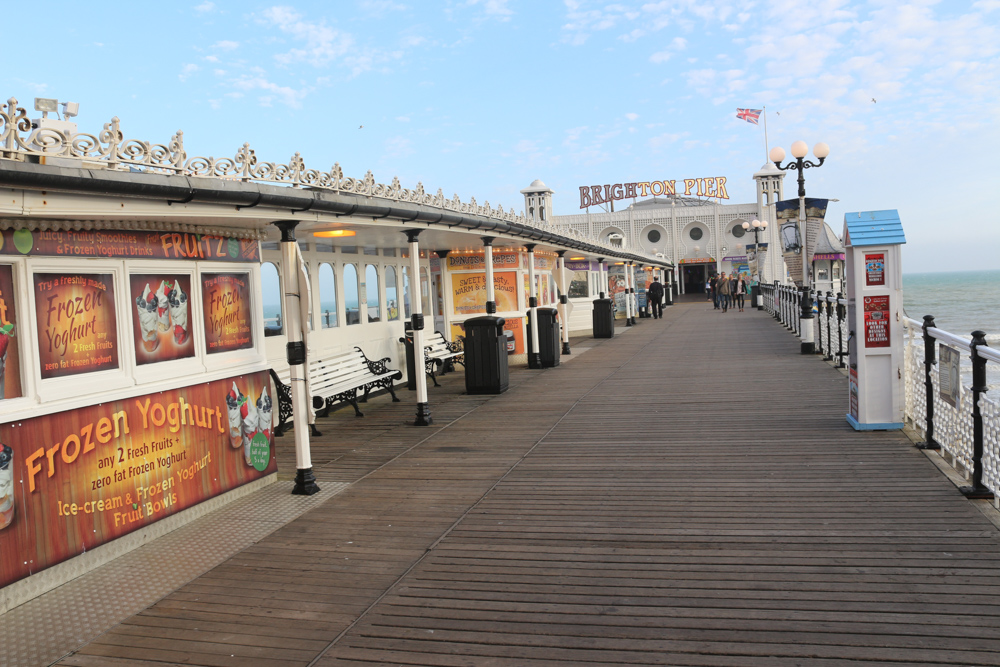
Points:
x=726 y=292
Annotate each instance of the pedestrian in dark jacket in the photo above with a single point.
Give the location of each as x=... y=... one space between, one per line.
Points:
x=713 y=284
x=654 y=296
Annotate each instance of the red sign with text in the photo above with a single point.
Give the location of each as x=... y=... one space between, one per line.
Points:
x=77 y=323
x=226 y=307
x=128 y=245
x=74 y=480
x=875 y=270
x=876 y=321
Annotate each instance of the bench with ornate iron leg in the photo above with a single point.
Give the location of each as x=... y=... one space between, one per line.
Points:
x=338 y=378
x=441 y=352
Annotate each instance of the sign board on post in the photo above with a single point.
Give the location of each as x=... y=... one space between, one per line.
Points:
x=874 y=303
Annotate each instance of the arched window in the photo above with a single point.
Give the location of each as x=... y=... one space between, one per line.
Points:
x=270 y=296
x=327 y=296
x=352 y=296
x=371 y=291
x=391 y=295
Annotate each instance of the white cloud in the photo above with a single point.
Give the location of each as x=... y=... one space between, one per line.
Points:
x=286 y=95
x=205 y=7
x=319 y=43
x=187 y=70
x=226 y=45
x=380 y=7
x=212 y=59
x=403 y=119
x=493 y=8
x=398 y=147
x=632 y=116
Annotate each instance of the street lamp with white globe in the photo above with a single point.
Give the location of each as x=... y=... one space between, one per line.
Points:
x=799 y=151
x=756 y=227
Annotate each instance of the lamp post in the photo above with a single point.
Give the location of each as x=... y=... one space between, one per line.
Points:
x=756 y=227
x=799 y=151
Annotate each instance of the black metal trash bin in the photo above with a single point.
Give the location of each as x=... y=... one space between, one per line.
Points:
x=549 y=346
x=407 y=341
x=604 y=318
x=486 y=370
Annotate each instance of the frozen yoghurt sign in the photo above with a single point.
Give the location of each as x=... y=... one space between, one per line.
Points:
x=226 y=307
x=128 y=244
x=77 y=324
x=10 y=358
x=87 y=476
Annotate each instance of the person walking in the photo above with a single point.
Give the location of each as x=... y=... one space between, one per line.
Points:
x=654 y=295
x=714 y=289
x=724 y=288
x=739 y=291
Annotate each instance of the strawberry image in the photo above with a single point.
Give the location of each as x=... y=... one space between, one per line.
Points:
x=244 y=407
x=6 y=332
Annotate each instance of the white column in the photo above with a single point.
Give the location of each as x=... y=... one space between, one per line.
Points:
x=491 y=296
x=628 y=294
x=417 y=324
x=564 y=303
x=305 y=482
x=535 y=358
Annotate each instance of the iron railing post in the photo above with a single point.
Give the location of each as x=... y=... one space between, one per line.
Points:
x=841 y=313
x=979 y=387
x=930 y=360
x=776 y=305
x=829 y=319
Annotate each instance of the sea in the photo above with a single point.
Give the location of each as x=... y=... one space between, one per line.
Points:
x=961 y=302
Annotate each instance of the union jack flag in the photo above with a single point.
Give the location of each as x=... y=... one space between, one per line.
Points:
x=749 y=115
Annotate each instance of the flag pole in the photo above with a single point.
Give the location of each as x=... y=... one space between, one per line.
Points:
x=767 y=156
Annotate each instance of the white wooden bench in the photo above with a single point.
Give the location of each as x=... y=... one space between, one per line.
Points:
x=334 y=379
x=443 y=353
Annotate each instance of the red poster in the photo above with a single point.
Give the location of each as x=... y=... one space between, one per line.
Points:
x=10 y=356
x=128 y=245
x=77 y=323
x=74 y=480
x=875 y=269
x=876 y=321
x=226 y=306
x=161 y=326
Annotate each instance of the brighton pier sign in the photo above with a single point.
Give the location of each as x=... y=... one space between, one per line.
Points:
x=700 y=187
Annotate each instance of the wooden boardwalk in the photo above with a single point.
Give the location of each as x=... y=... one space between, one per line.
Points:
x=688 y=493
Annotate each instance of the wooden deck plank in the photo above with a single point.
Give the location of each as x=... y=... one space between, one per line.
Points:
x=687 y=493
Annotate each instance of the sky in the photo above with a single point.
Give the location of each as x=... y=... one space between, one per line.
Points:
x=481 y=97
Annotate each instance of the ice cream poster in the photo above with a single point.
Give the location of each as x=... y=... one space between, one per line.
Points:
x=161 y=317
x=227 y=310
x=10 y=358
x=74 y=480
x=77 y=323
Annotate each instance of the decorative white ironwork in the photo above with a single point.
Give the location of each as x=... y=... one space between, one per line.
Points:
x=111 y=150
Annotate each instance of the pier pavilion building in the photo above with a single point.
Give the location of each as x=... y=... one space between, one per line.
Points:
x=700 y=237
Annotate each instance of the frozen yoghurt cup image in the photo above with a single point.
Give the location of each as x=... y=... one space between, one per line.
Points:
x=178 y=301
x=163 y=307
x=235 y=402
x=145 y=307
x=6 y=486
x=264 y=412
x=250 y=423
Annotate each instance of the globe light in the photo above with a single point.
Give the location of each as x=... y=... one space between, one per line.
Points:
x=756 y=223
x=800 y=149
x=763 y=225
x=821 y=150
x=777 y=154
x=746 y=225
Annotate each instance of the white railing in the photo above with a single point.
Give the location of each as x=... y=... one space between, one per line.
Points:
x=968 y=432
x=109 y=149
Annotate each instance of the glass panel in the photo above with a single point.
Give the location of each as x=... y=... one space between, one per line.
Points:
x=371 y=291
x=270 y=296
x=327 y=296
x=696 y=233
x=352 y=298
x=391 y=297
x=836 y=270
x=425 y=291
x=406 y=291
x=371 y=251
x=578 y=286
x=349 y=249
